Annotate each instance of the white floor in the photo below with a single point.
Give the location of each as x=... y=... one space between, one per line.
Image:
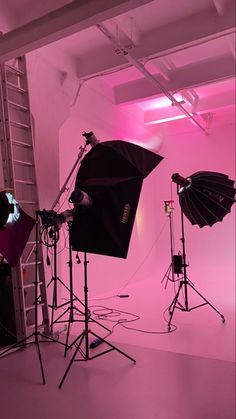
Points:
x=161 y=385
x=199 y=332
x=187 y=374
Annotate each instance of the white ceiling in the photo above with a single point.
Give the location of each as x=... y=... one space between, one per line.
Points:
x=188 y=46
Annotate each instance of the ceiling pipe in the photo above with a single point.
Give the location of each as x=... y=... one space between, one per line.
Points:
x=128 y=56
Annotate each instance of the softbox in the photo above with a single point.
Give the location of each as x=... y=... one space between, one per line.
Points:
x=111 y=173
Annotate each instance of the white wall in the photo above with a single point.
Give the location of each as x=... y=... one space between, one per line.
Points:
x=49 y=108
x=95 y=111
x=58 y=137
x=210 y=251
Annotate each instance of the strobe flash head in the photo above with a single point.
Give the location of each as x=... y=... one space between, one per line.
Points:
x=80 y=198
x=9 y=209
x=180 y=180
x=91 y=138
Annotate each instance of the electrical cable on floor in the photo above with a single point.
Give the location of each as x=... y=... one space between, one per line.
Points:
x=111 y=313
x=107 y=314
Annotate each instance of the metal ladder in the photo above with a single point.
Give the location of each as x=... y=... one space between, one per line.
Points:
x=19 y=173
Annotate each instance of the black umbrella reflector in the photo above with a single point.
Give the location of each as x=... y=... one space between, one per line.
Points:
x=111 y=174
x=205 y=197
x=15 y=228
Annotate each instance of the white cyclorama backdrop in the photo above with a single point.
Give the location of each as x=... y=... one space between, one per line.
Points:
x=210 y=251
x=58 y=130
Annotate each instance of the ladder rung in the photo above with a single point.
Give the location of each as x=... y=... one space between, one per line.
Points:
x=33 y=306
x=17 y=150
x=30 y=263
x=21 y=143
x=27 y=202
x=14 y=87
x=32 y=285
x=23 y=163
x=14 y=70
x=32 y=326
x=19 y=125
x=18 y=106
x=25 y=182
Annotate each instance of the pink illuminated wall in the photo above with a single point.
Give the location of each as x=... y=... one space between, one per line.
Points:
x=95 y=111
x=210 y=251
x=61 y=112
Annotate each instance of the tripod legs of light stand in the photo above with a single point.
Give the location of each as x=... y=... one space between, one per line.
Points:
x=185 y=283
x=173 y=306
x=73 y=298
x=167 y=275
x=26 y=341
x=84 y=336
x=72 y=309
x=55 y=280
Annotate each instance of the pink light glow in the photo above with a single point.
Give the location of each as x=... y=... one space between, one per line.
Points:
x=151 y=143
x=157 y=103
x=171 y=118
x=139 y=221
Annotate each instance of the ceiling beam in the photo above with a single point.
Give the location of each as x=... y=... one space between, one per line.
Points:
x=67 y=20
x=161 y=67
x=206 y=104
x=162 y=41
x=183 y=78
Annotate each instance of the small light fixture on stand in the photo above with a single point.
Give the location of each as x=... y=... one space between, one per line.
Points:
x=16 y=227
x=169 y=274
x=111 y=174
x=51 y=222
x=205 y=198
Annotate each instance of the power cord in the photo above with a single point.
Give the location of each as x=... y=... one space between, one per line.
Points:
x=108 y=314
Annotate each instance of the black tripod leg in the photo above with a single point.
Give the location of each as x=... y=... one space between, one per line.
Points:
x=72 y=360
x=173 y=305
x=61 y=315
x=68 y=333
x=167 y=275
x=50 y=282
x=54 y=304
x=68 y=289
x=194 y=289
x=16 y=345
x=99 y=324
x=113 y=347
x=40 y=358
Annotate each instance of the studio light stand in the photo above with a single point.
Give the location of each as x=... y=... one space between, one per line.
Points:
x=169 y=274
x=72 y=309
x=111 y=177
x=184 y=284
x=84 y=336
x=33 y=338
x=55 y=279
x=54 y=233
x=50 y=219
